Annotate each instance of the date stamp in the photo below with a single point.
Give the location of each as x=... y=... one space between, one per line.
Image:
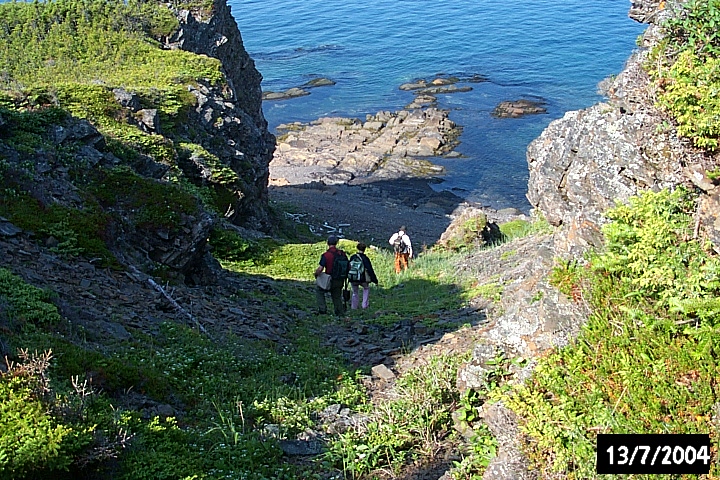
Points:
x=653 y=454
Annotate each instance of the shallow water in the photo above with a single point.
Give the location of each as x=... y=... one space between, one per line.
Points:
x=552 y=50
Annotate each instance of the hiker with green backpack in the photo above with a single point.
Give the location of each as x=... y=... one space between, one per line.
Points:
x=361 y=273
x=333 y=264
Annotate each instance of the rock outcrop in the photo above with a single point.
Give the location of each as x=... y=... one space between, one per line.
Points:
x=348 y=150
x=234 y=115
x=581 y=165
x=519 y=108
x=587 y=161
x=219 y=139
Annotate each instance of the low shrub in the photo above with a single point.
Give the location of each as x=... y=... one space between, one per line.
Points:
x=647 y=359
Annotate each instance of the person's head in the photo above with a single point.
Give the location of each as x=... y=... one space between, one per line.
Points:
x=332 y=240
x=361 y=247
x=403 y=229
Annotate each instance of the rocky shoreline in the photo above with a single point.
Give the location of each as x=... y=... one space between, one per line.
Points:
x=387 y=145
x=363 y=179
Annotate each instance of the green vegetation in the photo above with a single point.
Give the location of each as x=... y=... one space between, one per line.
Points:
x=60 y=61
x=24 y=303
x=476 y=232
x=240 y=396
x=522 y=228
x=685 y=67
x=405 y=428
x=218 y=406
x=150 y=204
x=99 y=42
x=647 y=360
x=78 y=232
x=653 y=292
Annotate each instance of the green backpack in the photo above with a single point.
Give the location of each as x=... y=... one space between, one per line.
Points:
x=341 y=265
x=356 y=273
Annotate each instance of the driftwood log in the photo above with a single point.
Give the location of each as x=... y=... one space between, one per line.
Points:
x=167 y=296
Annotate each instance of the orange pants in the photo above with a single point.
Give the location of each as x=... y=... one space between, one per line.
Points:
x=401 y=261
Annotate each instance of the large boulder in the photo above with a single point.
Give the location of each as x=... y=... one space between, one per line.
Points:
x=587 y=161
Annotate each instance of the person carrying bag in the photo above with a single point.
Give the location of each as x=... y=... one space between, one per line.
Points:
x=361 y=273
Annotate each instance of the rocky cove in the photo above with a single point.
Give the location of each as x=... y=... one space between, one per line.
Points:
x=362 y=178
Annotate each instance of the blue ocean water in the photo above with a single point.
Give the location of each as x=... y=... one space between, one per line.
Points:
x=554 y=50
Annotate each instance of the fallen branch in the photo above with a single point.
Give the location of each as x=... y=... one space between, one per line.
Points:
x=172 y=301
x=696 y=231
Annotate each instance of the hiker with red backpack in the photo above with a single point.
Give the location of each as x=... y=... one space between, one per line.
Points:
x=333 y=262
x=403 y=249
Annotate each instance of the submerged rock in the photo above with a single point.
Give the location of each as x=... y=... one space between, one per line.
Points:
x=285 y=95
x=518 y=108
x=319 y=82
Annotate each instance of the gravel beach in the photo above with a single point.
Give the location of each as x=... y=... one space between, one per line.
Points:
x=372 y=212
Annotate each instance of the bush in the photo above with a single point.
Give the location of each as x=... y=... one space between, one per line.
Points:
x=685 y=67
x=30 y=438
x=26 y=304
x=647 y=360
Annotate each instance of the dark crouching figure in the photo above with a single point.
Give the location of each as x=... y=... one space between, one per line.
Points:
x=361 y=273
x=333 y=262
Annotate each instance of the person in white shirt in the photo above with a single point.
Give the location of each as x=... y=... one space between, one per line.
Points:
x=403 y=249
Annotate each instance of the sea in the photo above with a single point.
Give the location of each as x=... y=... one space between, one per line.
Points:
x=555 y=51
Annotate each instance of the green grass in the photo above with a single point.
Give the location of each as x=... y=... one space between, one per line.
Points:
x=99 y=42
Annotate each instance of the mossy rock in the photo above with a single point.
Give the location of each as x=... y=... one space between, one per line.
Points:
x=470 y=230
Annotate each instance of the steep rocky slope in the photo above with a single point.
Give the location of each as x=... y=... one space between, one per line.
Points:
x=588 y=160
x=237 y=118
x=581 y=165
x=148 y=171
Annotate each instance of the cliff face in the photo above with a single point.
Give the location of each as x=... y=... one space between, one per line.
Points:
x=581 y=165
x=235 y=115
x=585 y=162
x=215 y=137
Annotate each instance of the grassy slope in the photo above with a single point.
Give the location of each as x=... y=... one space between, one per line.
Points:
x=233 y=388
x=646 y=325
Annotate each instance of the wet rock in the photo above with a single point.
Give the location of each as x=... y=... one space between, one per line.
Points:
x=413 y=85
x=285 y=95
x=443 y=89
x=519 y=108
x=318 y=82
x=422 y=101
